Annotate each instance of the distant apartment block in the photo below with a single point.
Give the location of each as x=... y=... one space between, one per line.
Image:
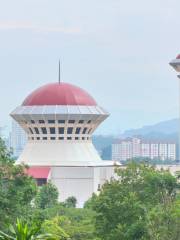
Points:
x=17 y=139
x=124 y=149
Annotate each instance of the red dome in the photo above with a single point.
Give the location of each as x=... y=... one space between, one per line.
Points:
x=59 y=94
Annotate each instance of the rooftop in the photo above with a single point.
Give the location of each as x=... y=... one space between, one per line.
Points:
x=59 y=94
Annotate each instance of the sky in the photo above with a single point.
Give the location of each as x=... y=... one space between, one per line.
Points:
x=117 y=50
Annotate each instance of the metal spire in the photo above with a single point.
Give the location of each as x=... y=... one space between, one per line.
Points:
x=59 y=72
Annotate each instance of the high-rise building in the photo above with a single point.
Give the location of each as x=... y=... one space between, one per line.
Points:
x=129 y=148
x=17 y=139
x=59 y=119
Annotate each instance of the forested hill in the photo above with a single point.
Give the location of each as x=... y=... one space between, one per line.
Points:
x=169 y=127
x=166 y=130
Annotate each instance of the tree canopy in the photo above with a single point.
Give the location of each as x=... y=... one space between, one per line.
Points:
x=17 y=190
x=130 y=207
x=141 y=203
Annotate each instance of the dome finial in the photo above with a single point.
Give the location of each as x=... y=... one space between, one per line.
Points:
x=59 y=72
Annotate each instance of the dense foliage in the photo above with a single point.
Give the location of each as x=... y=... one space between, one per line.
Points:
x=140 y=204
x=17 y=190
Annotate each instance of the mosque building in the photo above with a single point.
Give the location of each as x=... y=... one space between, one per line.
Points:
x=59 y=119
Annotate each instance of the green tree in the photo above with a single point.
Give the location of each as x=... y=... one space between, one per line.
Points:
x=164 y=223
x=70 y=202
x=54 y=226
x=47 y=196
x=16 y=188
x=77 y=223
x=124 y=205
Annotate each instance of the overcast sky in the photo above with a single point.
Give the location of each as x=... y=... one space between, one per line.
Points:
x=117 y=50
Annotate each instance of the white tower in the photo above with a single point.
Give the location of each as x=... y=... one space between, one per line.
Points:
x=59 y=119
x=175 y=63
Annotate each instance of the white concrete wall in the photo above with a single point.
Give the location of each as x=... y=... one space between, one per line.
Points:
x=80 y=182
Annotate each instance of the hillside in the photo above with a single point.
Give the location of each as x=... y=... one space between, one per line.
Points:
x=166 y=130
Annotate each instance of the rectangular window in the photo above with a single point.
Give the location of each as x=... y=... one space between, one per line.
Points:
x=89 y=121
x=61 y=130
x=51 y=121
x=44 y=138
x=81 y=121
x=38 y=138
x=76 y=138
x=84 y=131
x=36 y=130
x=89 y=130
x=61 y=121
x=83 y=138
x=61 y=138
x=30 y=130
x=44 y=130
x=32 y=121
x=69 y=138
x=78 y=130
x=41 y=181
x=71 y=121
x=52 y=130
x=41 y=121
x=53 y=138
x=69 y=130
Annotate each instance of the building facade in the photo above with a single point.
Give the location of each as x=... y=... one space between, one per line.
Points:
x=17 y=139
x=129 y=148
x=59 y=119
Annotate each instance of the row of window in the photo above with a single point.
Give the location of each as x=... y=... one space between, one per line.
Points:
x=59 y=138
x=59 y=121
x=60 y=130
